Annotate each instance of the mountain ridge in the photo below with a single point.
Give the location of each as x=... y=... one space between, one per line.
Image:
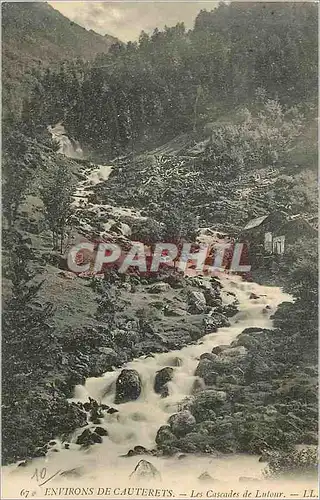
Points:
x=35 y=34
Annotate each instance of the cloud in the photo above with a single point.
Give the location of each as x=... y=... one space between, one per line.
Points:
x=126 y=20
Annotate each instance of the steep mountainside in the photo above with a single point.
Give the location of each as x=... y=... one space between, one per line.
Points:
x=35 y=34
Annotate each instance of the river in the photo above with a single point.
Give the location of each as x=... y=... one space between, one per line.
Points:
x=104 y=466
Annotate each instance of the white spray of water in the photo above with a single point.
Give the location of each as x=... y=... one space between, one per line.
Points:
x=104 y=211
x=67 y=147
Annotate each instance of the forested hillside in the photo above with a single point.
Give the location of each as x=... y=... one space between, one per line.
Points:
x=177 y=80
x=35 y=35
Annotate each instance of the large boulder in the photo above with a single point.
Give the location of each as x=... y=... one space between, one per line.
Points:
x=206 y=403
x=162 y=378
x=165 y=435
x=198 y=386
x=209 y=355
x=213 y=298
x=220 y=348
x=144 y=470
x=220 y=320
x=128 y=386
x=230 y=310
x=214 y=321
x=209 y=324
x=206 y=370
x=246 y=340
x=196 y=302
x=182 y=423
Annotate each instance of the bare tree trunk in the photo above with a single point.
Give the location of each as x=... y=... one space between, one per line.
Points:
x=62 y=233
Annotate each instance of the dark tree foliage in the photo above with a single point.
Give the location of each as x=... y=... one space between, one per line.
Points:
x=176 y=80
x=28 y=344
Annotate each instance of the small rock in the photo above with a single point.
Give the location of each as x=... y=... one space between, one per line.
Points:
x=253 y=296
x=210 y=325
x=140 y=450
x=96 y=421
x=205 y=477
x=146 y=471
x=212 y=298
x=111 y=411
x=101 y=431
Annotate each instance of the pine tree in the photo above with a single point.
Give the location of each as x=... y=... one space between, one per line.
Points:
x=56 y=194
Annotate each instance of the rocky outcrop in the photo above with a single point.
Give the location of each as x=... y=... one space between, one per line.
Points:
x=196 y=302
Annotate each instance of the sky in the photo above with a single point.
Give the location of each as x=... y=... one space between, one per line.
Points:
x=126 y=20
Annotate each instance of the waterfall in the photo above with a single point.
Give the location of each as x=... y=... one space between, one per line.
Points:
x=69 y=148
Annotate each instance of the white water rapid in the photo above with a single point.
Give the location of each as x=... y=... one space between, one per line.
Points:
x=136 y=423
x=102 y=470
